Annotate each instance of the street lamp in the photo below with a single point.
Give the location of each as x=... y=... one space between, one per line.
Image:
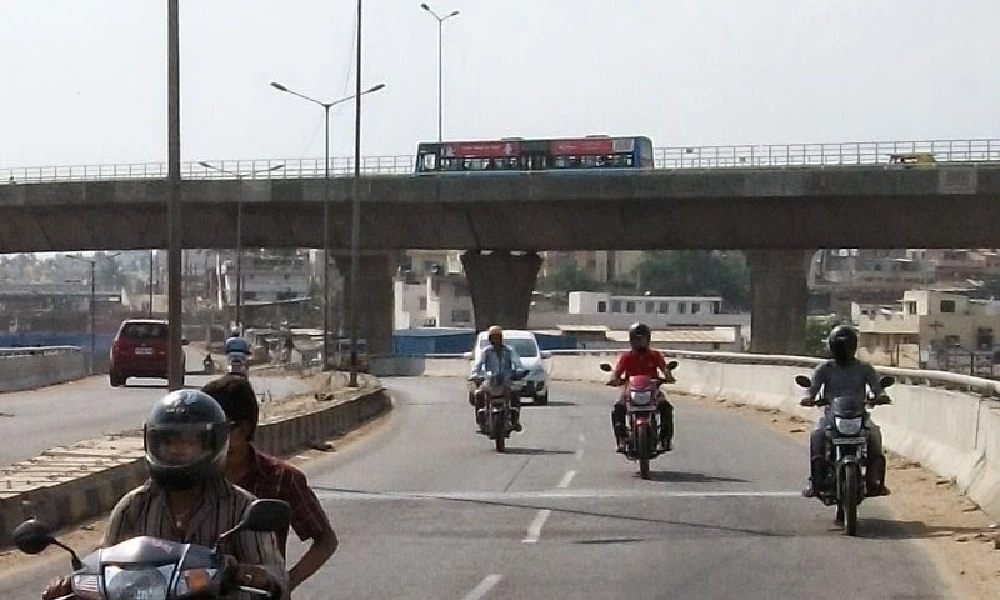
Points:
x=440 y=21
x=239 y=228
x=93 y=306
x=326 y=199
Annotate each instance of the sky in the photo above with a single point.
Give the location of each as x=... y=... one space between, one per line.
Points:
x=85 y=81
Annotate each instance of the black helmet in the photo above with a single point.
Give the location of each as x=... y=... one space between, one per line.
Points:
x=843 y=343
x=186 y=438
x=638 y=336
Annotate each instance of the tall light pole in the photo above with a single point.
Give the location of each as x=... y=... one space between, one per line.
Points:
x=326 y=200
x=93 y=303
x=151 y=284
x=239 y=228
x=440 y=21
x=175 y=228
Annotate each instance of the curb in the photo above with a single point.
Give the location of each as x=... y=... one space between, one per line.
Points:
x=60 y=499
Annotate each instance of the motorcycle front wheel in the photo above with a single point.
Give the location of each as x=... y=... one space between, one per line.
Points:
x=642 y=450
x=852 y=480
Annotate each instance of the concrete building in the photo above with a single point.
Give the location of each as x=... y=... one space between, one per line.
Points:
x=431 y=301
x=937 y=328
x=266 y=278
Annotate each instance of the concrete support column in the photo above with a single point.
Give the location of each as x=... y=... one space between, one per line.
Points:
x=500 y=284
x=778 y=297
x=375 y=298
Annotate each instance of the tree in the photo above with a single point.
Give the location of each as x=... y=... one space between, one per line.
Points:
x=567 y=277
x=696 y=273
x=817 y=330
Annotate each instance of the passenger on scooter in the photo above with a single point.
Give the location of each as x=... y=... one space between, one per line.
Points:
x=842 y=375
x=642 y=360
x=187 y=498
x=500 y=359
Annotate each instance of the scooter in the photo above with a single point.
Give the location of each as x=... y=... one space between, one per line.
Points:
x=148 y=567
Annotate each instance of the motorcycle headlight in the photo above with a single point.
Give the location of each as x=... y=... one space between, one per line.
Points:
x=87 y=587
x=194 y=581
x=849 y=426
x=641 y=398
x=143 y=583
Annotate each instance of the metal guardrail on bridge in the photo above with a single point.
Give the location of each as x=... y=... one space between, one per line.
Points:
x=680 y=157
x=39 y=350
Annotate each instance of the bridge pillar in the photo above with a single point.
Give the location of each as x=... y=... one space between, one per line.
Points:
x=778 y=297
x=500 y=284
x=375 y=298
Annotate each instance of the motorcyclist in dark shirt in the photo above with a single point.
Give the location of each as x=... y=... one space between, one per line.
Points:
x=845 y=374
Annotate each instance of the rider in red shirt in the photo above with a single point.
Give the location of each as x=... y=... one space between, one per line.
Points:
x=642 y=360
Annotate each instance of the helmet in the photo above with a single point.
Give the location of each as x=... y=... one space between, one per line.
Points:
x=843 y=342
x=639 y=335
x=186 y=438
x=494 y=331
x=234 y=333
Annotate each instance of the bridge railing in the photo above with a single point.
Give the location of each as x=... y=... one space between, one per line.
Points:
x=39 y=350
x=680 y=157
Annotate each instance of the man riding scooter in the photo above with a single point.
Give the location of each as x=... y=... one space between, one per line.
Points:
x=642 y=360
x=237 y=349
x=500 y=359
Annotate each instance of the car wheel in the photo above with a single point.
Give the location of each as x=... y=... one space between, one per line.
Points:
x=116 y=380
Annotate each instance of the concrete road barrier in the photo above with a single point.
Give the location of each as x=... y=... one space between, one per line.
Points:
x=67 y=485
x=31 y=368
x=947 y=422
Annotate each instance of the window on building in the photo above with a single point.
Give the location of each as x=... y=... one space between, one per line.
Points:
x=984 y=338
x=630 y=307
x=602 y=306
x=716 y=307
x=423 y=303
x=664 y=308
x=682 y=308
x=695 y=308
x=650 y=307
x=911 y=307
x=616 y=306
x=947 y=306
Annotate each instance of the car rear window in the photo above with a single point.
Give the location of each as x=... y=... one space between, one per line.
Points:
x=145 y=331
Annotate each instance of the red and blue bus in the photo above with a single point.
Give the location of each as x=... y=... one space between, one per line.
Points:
x=517 y=155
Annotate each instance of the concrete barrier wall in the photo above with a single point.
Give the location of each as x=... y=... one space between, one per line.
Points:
x=30 y=368
x=949 y=423
x=65 y=486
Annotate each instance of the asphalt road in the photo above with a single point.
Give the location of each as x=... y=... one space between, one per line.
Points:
x=35 y=420
x=427 y=509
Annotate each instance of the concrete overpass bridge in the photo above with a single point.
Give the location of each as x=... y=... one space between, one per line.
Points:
x=777 y=203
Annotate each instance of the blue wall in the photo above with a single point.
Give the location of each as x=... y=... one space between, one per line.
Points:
x=422 y=342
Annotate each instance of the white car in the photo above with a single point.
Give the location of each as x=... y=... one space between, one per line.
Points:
x=536 y=384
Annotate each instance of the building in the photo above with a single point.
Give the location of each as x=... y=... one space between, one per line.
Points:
x=431 y=301
x=602 y=266
x=935 y=328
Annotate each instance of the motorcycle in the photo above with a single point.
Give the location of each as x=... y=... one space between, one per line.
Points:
x=208 y=365
x=642 y=417
x=847 y=451
x=494 y=418
x=153 y=568
x=237 y=364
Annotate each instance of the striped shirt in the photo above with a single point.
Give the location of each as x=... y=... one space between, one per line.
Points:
x=144 y=511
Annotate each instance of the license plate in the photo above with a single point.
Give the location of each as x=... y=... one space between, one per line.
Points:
x=144 y=351
x=639 y=409
x=852 y=441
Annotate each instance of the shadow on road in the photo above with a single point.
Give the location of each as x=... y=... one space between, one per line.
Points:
x=536 y=452
x=687 y=477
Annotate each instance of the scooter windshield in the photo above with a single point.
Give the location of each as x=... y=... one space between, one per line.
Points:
x=848 y=407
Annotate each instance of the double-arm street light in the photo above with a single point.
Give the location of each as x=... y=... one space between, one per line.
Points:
x=440 y=21
x=326 y=201
x=239 y=229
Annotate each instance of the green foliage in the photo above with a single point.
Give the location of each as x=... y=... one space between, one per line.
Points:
x=696 y=273
x=817 y=330
x=567 y=276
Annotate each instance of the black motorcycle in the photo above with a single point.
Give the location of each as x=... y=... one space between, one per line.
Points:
x=155 y=569
x=847 y=451
x=494 y=418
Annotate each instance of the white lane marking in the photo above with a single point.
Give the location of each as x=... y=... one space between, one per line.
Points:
x=555 y=494
x=488 y=583
x=535 y=529
x=568 y=477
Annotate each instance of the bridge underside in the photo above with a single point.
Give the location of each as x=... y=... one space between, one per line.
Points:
x=758 y=223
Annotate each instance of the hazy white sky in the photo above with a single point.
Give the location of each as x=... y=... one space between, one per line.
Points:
x=85 y=80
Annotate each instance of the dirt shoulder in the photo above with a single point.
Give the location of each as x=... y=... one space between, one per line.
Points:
x=928 y=509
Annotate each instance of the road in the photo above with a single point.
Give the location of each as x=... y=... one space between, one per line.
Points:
x=427 y=509
x=35 y=420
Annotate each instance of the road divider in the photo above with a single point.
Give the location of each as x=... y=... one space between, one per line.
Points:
x=31 y=368
x=67 y=485
x=947 y=422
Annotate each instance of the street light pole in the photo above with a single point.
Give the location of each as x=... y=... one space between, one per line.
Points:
x=356 y=215
x=239 y=230
x=175 y=227
x=93 y=304
x=440 y=21
x=326 y=196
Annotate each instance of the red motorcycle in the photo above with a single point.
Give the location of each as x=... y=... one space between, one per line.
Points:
x=641 y=417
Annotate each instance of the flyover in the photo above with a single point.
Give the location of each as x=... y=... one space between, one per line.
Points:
x=778 y=204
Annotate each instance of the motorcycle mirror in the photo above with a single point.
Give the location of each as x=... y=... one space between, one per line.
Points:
x=266 y=515
x=672 y=365
x=887 y=381
x=803 y=381
x=32 y=536
x=606 y=367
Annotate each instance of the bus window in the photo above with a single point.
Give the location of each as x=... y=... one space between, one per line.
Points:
x=429 y=162
x=588 y=162
x=448 y=164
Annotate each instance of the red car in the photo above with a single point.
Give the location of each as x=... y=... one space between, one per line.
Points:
x=140 y=350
